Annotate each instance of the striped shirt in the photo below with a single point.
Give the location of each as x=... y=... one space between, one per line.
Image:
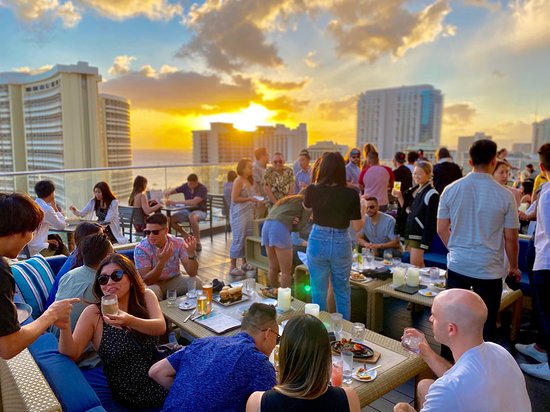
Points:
x=479 y=209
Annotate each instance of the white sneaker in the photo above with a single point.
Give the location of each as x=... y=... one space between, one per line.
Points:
x=539 y=370
x=529 y=350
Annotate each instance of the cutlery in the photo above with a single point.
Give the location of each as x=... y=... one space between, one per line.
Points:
x=196 y=317
x=366 y=372
x=191 y=314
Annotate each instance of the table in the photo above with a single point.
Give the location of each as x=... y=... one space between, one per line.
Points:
x=370 y=288
x=71 y=228
x=172 y=208
x=402 y=367
x=509 y=298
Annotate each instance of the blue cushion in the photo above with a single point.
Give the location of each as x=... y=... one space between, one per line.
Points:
x=34 y=278
x=98 y=382
x=60 y=266
x=430 y=259
x=64 y=377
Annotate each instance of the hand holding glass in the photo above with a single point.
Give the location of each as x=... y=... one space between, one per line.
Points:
x=109 y=305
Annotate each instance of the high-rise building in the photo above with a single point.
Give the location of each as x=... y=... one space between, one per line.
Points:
x=223 y=143
x=541 y=133
x=398 y=118
x=316 y=150
x=463 y=148
x=55 y=120
x=522 y=148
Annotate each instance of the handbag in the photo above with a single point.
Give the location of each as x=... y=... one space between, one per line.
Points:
x=382 y=273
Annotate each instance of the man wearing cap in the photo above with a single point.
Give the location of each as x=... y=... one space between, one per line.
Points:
x=302 y=176
x=353 y=168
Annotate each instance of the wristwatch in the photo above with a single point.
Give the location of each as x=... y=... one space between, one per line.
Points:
x=192 y=257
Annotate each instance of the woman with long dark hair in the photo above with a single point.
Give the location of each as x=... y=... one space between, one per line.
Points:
x=105 y=206
x=125 y=342
x=138 y=197
x=305 y=362
x=334 y=207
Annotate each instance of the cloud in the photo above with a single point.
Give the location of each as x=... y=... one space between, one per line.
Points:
x=508 y=133
x=30 y=71
x=148 y=71
x=309 y=61
x=182 y=93
x=275 y=85
x=121 y=65
x=372 y=29
x=165 y=69
x=285 y=104
x=126 y=9
x=337 y=110
x=459 y=114
x=490 y=5
x=45 y=11
x=531 y=28
x=498 y=73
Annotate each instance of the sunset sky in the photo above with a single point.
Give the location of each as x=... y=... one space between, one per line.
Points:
x=184 y=64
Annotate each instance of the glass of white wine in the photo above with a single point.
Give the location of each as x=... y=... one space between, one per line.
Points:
x=109 y=305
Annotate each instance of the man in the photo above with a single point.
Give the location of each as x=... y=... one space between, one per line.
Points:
x=378 y=232
x=541 y=270
x=42 y=242
x=296 y=165
x=278 y=180
x=485 y=376
x=195 y=195
x=401 y=172
x=420 y=155
x=303 y=175
x=20 y=218
x=79 y=283
x=412 y=157
x=376 y=180
x=478 y=222
x=258 y=172
x=158 y=258
x=220 y=373
x=353 y=168
x=445 y=170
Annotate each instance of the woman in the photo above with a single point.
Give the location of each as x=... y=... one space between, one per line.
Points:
x=287 y=215
x=105 y=205
x=241 y=216
x=334 y=206
x=125 y=342
x=138 y=198
x=305 y=363
x=420 y=203
x=501 y=175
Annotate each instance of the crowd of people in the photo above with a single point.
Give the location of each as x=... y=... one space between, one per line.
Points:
x=324 y=209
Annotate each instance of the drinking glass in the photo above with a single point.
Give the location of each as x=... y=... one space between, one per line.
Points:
x=347 y=363
x=357 y=332
x=202 y=305
x=336 y=373
x=368 y=260
x=191 y=288
x=388 y=256
x=336 y=323
x=434 y=275
x=411 y=343
x=207 y=289
x=171 y=296
x=397 y=185
x=109 y=305
x=250 y=287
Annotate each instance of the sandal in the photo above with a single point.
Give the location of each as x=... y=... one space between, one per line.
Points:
x=236 y=272
x=247 y=267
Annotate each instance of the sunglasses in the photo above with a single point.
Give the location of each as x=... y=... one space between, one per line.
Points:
x=272 y=331
x=277 y=161
x=355 y=157
x=153 y=232
x=371 y=207
x=116 y=276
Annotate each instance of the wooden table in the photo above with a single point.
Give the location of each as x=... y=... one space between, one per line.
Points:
x=370 y=288
x=404 y=366
x=510 y=298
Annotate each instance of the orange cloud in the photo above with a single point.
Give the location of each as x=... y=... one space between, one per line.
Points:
x=336 y=110
x=276 y=85
x=459 y=114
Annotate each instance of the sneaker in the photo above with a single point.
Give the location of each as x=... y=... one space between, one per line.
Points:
x=529 y=350
x=538 y=370
x=236 y=272
x=198 y=248
x=247 y=267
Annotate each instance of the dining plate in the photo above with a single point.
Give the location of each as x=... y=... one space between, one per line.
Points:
x=427 y=292
x=359 y=277
x=368 y=378
x=216 y=298
x=359 y=350
x=187 y=304
x=24 y=311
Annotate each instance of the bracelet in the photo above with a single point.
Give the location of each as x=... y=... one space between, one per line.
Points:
x=192 y=257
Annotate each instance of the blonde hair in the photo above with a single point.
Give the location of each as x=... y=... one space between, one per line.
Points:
x=424 y=165
x=304 y=358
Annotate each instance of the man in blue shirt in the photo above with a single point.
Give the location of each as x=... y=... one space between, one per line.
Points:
x=378 y=232
x=302 y=177
x=220 y=373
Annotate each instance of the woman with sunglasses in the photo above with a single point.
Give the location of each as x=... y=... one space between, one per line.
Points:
x=125 y=342
x=305 y=362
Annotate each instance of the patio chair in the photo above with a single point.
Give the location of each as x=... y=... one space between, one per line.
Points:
x=130 y=216
x=217 y=202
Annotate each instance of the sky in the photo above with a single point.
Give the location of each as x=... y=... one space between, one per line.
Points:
x=184 y=64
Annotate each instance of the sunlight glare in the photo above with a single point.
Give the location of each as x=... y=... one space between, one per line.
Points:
x=245 y=119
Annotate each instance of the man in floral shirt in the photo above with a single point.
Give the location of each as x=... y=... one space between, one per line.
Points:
x=158 y=258
x=278 y=180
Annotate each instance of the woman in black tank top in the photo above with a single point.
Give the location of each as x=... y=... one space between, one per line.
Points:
x=305 y=362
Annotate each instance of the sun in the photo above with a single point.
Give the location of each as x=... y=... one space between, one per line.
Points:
x=245 y=119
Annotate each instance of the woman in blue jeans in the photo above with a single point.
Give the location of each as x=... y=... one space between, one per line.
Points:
x=329 y=248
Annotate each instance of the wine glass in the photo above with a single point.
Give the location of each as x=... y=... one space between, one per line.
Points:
x=336 y=323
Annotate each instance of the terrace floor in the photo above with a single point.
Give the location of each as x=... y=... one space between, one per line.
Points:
x=214 y=263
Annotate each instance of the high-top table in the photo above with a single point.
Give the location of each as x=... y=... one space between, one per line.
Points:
x=398 y=365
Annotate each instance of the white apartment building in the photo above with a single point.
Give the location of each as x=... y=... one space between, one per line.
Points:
x=53 y=120
x=463 y=148
x=523 y=148
x=225 y=144
x=316 y=150
x=398 y=118
x=541 y=133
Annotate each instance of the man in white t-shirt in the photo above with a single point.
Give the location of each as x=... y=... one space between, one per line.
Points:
x=485 y=376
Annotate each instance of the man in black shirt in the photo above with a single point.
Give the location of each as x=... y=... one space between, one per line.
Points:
x=445 y=170
x=20 y=218
x=404 y=175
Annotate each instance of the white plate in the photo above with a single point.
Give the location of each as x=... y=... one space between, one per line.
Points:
x=187 y=304
x=427 y=292
x=373 y=374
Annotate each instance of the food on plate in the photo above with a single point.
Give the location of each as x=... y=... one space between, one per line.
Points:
x=228 y=295
x=440 y=285
x=359 y=350
x=360 y=373
x=357 y=276
x=270 y=292
x=387 y=262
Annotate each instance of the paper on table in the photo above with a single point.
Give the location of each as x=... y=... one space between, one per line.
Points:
x=218 y=322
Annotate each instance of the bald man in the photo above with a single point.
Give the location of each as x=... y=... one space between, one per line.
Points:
x=485 y=376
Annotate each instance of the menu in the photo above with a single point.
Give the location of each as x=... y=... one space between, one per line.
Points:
x=218 y=322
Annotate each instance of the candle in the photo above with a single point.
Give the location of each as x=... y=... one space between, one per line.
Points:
x=398 y=276
x=283 y=299
x=413 y=277
x=312 y=309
